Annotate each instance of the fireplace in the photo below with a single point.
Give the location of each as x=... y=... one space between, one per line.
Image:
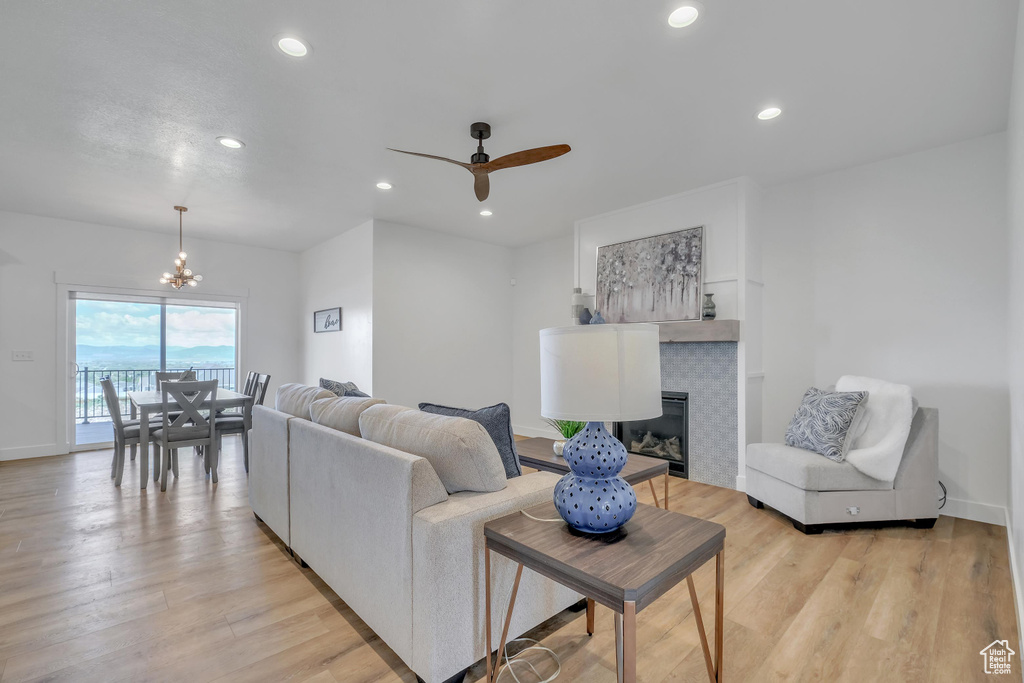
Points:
x=665 y=437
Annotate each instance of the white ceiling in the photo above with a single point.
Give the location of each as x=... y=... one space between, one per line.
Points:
x=110 y=109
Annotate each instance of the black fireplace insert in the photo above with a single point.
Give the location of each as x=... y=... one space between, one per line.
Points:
x=665 y=437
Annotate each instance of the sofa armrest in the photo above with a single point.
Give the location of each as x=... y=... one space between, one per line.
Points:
x=917 y=479
x=268 y=470
x=448 y=577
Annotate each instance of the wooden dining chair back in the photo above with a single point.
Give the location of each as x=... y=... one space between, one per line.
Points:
x=250 y=380
x=186 y=376
x=260 y=391
x=126 y=432
x=189 y=420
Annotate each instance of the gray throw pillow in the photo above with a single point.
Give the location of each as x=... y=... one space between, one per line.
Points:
x=497 y=420
x=341 y=388
x=823 y=421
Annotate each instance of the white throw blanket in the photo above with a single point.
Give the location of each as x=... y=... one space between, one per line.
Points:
x=878 y=449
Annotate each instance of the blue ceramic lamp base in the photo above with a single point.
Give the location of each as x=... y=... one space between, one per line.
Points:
x=593 y=498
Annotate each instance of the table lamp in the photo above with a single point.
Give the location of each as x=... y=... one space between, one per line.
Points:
x=593 y=374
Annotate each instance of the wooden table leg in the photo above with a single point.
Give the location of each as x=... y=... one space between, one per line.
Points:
x=487 y=612
x=719 y=612
x=143 y=445
x=700 y=629
x=651 y=482
x=590 y=617
x=666 y=491
x=508 y=621
x=629 y=642
x=618 y=648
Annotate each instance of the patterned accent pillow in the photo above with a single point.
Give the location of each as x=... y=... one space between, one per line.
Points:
x=823 y=420
x=497 y=420
x=341 y=388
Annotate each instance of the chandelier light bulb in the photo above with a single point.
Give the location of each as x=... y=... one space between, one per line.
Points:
x=187 y=271
x=198 y=278
x=163 y=281
x=182 y=255
x=192 y=283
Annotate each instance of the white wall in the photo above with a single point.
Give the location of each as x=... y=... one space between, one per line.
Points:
x=540 y=299
x=339 y=272
x=898 y=270
x=442 y=318
x=33 y=248
x=1015 y=316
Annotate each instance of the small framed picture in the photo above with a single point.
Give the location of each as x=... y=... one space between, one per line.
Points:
x=327 y=320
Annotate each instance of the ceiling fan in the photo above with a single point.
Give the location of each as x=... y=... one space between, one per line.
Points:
x=480 y=163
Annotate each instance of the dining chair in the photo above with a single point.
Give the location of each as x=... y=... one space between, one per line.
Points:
x=195 y=425
x=230 y=423
x=126 y=432
x=185 y=376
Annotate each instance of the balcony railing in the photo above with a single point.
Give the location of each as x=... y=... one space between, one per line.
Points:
x=89 y=401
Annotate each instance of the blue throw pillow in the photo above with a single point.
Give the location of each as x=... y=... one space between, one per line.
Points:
x=497 y=420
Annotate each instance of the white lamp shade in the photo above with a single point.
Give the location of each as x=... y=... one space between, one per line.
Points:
x=598 y=373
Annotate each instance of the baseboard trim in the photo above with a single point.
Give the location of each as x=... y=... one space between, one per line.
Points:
x=1018 y=595
x=977 y=512
x=26 y=452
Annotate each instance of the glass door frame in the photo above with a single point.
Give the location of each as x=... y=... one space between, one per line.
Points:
x=68 y=292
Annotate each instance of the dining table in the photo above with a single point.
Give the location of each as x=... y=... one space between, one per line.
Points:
x=147 y=403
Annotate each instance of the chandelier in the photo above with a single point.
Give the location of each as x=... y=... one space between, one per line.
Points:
x=182 y=273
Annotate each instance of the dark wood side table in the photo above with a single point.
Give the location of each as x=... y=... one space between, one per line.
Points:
x=539 y=454
x=626 y=573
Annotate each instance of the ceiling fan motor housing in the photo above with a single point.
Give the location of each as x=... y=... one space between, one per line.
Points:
x=480 y=132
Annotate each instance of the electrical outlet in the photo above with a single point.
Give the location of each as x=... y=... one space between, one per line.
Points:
x=21 y=355
x=853 y=510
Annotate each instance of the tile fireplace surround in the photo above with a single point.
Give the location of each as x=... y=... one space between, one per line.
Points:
x=707 y=371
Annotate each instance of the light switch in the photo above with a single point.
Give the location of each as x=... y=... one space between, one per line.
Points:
x=21 y=355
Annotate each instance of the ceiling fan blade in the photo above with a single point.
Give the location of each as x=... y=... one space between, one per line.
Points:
x=481 y=186
x=528 y=156
x=468 y=167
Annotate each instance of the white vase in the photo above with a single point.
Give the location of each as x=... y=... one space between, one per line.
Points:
x=558 y=447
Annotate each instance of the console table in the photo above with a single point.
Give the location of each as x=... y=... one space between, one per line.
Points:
x=539 y=454
x=625 y=570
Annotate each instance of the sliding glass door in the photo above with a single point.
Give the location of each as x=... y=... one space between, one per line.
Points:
x=130 y=338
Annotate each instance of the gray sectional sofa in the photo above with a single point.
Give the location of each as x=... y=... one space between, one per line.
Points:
x=379 y=527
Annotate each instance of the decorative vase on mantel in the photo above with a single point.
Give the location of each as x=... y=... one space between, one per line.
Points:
x=708 y=310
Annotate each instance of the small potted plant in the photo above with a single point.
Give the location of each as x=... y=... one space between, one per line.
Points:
x=567 y=428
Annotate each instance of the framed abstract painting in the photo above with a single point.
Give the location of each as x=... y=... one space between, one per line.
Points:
x=652 y=279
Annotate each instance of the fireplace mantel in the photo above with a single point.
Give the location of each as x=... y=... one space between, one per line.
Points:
x=700 y=331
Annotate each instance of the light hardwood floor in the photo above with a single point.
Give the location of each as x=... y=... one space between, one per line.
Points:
x=105 y=584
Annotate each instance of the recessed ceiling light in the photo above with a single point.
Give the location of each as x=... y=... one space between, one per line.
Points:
x=231 y=142
x=685 y=15
x=485 y=212
x=384 y=186
x=292 y=46
x=769 y=113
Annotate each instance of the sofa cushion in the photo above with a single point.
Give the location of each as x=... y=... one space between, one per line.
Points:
x=295 y=399
x=497 y=420
x=460 y=450
x=809 y=471
x=823 y=420
x=341 y=413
